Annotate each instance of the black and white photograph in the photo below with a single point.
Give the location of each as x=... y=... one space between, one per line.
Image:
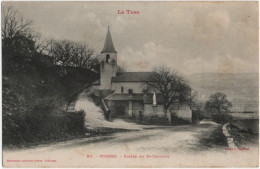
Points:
x=143 y=84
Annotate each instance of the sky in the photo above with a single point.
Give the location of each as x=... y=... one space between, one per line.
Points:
x=190 y=37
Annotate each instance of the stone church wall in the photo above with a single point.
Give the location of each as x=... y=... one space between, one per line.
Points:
x=150 y=110
x=182 y=111
x=185 y=114
x=137 y=87
x=118 y=108
x=107 y=69
x=138 y=107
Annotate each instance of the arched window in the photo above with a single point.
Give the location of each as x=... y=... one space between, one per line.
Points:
x=122 y=89
x=107 y=57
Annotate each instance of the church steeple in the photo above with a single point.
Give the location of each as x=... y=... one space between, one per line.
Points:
x=109 y=46
x=108 y=63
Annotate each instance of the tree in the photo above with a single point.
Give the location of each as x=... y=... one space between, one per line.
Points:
x=12 y=26
x=16 y=37
x=20 y=42
x=218 y=103
x=95 y=64
x=170 y=84
x=62 y=53
x=76 y=54
x=82 y=55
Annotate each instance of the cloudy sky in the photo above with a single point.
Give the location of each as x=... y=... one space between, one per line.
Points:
x=191 y=37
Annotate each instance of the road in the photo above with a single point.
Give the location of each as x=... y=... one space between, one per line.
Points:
x=161 y=146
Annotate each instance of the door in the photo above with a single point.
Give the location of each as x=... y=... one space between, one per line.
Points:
x=120 y=109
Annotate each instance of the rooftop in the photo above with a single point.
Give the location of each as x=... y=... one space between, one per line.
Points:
x=146 y=98
x=131 y=77
x=109 y=46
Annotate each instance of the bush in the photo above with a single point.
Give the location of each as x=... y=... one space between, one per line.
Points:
x=156 y=120
x=43 y=125
x=197 y=116
x=75 y=122
x=222 y=118
x=178 y=121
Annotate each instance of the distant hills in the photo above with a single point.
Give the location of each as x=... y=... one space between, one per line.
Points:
x=241 y=88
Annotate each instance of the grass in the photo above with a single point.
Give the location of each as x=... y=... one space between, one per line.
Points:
x=244 y=136
x=214 y=140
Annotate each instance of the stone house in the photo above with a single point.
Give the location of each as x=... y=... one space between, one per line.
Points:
x=130 y=97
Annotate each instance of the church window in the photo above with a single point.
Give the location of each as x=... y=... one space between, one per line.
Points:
x=107 y=58
x=122 y=89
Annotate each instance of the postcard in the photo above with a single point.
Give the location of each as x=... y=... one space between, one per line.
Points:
x=130 y=84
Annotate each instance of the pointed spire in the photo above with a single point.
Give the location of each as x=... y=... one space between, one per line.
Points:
x=109 y=46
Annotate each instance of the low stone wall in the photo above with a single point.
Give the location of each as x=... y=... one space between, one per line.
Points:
x=230 y=140
x=185 y=114
x=150 y=110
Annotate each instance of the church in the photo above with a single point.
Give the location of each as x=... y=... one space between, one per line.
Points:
x=129 y=96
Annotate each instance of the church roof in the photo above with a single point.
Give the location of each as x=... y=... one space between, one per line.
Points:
x=109 y=46
x=131 y=77
x=125 y=97
x=146 y=98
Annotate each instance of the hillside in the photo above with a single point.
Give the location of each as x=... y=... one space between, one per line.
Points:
x=34 y=99
x=241 y=89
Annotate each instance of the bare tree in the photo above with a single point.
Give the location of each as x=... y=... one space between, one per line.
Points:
x=62 y=52
x=82 y=55
x=170 y=84
x=20 y=42
x=40 y=45
x=16 y=33
x=218 y=103
x=94 y=63
x=13 y=26
x=68 y=53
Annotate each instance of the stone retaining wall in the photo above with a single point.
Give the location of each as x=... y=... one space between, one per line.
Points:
x=230 y=140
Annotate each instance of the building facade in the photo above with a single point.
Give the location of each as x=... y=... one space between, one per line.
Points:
x=130 y=97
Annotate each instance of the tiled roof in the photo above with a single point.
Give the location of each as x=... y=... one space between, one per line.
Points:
x=146 y=98
x=125 y=97
x=131 y=77
x=109 y=46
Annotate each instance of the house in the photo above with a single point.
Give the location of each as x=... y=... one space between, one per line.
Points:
x=130 y=97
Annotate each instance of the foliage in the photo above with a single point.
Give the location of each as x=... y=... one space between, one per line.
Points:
x=42 y=125
x=170 y=84
x=197 y=116
x=34 y=94
x=75 y=54
x=19 y=42
x=218 y=103
x=175 y=120
x=32 y=114
x=155 y=120
x=221 y=118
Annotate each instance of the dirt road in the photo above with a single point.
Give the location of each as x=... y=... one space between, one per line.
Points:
x=189 y=145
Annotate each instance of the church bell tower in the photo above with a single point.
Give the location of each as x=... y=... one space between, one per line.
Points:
x=108 y=63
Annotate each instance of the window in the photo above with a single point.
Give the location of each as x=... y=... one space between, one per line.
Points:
x=130 y=91
x=122 y=89
x=107 y=58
